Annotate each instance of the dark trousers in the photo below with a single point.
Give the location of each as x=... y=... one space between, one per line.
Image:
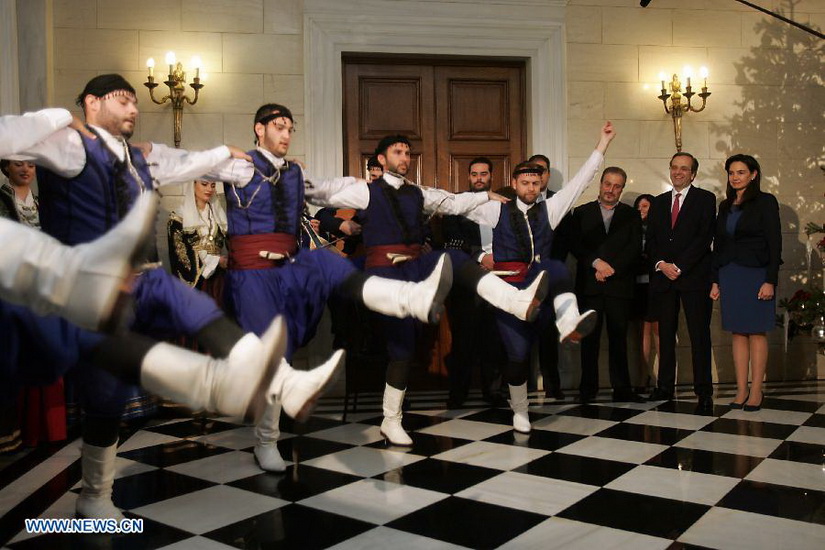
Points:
x=549 y=356
x=698 y=307
x=475 y=342
x=615 y=313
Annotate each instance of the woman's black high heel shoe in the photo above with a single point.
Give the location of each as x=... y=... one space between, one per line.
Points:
x=754 y=408
x=736 y=406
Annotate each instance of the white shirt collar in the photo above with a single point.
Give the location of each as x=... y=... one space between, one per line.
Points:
x=276 y=161
x=393 y=180
x=114 y=144
x=523 y=206
x=684 y=192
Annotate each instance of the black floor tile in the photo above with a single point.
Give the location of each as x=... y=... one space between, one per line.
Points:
x=468 y=523
x=193 y=428
x=750 y=428
x=297 y=483
x=154 y=535
x=536 y=439
x=293 y=526
x=801 y=452
x=706 y=462
x=601 y=412
x=646 y=433
x=298 y=449
x=790 y=404
x=816 y=421
x=580 y=469
x=777 y=500
x=689 y=407
x=149 y=487
x=176 y=452
x=658 y=517
x=314 y=424
x=439 y=475
x=423 y=444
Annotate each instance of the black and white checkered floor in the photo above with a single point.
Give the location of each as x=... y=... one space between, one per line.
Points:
x=604 y=475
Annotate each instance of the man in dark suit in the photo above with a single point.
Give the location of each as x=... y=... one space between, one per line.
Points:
x=679 y=236
x=475 y=336
x=606 y=239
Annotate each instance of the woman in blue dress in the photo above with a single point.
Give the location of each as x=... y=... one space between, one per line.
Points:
x=747 y=255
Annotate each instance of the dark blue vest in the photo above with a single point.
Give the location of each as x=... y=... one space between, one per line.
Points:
x=276 y=208
x=81 y=209
x=393 y=216
x=511 y=239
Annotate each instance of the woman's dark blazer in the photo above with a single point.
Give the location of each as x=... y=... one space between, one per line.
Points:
x=757 y=240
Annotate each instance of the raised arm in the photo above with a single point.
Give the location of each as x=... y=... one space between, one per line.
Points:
x=20 y=132
x=170 y=166
x=560 y=204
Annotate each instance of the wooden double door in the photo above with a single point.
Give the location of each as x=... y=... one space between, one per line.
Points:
x=451 y=110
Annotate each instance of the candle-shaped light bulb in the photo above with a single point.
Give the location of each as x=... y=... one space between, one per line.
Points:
x=150 y=63
x=662 y=77
x=688 y=70
x=170 y=60
x=196 y=63
x=703 y=72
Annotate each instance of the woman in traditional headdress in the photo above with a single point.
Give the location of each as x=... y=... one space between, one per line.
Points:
x=197 y=237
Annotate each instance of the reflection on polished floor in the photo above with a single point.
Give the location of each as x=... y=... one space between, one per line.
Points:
x=602 y=475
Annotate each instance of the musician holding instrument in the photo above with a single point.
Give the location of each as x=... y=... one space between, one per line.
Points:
x=269 y=275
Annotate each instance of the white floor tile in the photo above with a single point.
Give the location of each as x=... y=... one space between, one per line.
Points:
x=608 y=448
x=374 y=500
x=222 y=468
x=354 y=434
x=682 y=485
x=730 y=443
x=239 y=438
x=492 y=455
x=808 y=434
x=382 y=538
x=466 y=429
x=526 y=492
x=143 y=439
x=793 y=474
x=553 y=407
x=573 y=424
x=197 y=543
x=734 y=530
x=203 y=511
x=672 y=420
x=565 y=534
x=363 y=461
x=810 y=397
x=775 y=416
x=628 y=405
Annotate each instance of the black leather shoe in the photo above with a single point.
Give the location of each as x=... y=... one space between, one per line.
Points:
x=556 y=394
x=585 y=398
x=754 y=408
x=627 y=396
x=659 y=394
x=705 y=403
x=496 y=400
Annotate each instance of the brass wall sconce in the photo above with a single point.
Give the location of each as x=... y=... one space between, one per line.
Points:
x=177 y=88
x=678 y=107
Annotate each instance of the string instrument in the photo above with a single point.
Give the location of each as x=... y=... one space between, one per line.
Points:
x=315 y=240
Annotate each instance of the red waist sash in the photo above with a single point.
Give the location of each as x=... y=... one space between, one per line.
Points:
x=521 y=267
x=244 y=250
x=377 y=255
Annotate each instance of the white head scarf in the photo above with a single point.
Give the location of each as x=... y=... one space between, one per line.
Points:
x=192 y=219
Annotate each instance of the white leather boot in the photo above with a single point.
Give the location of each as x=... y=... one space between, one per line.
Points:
x=84 y=283
x=423 y=301
x=299 y=390
x=524 y=304
x=391 y=426
x=518 y=403
x=98 y=471
x=268 y=431
x=572 y=325
x=229 y=387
